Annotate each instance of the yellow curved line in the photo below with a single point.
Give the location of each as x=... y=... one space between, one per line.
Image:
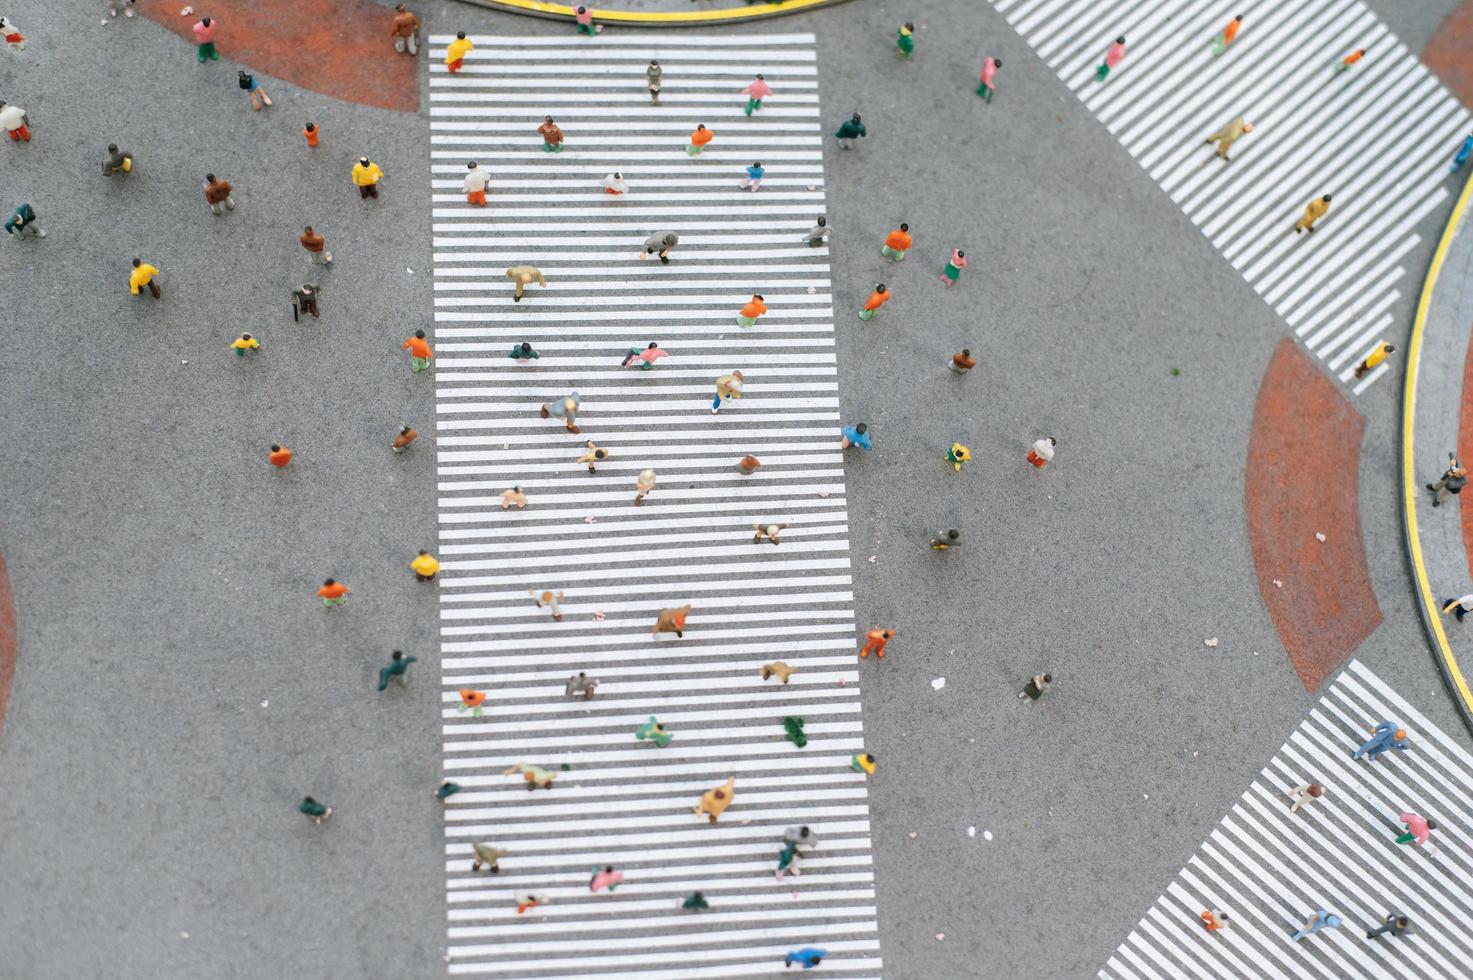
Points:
x=750 y=12
x=1431 y=610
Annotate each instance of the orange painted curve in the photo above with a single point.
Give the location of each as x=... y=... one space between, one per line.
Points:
x=339 y=48
x=1449 y=52
x=1302 y=480
x=8 y=644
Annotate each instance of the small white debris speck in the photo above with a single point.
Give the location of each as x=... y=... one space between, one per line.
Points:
x=940 y=936
x=1318 y=536
x=1278 y=583
x=1145 y=796
x=409 y=270
x=265 y=704
x=913 y=835
x=1210 y=642
x=183 y=362
x=1195 y=754
x=186 y=11
x=599 y=615
x=938 y=683
x=812 y=290
x=987 y=835
x=873 y=559
x=588 y=519
x=971 y=831
x=184 y=935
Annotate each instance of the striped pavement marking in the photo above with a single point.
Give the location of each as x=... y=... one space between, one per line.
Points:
x=1378 y=138
x=626 y=802
x=1269 y=869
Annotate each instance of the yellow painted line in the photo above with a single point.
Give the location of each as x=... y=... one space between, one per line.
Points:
x=1431 y=608
x=750 y=12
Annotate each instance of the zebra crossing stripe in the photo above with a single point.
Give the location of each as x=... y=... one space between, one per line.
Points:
x=626 y=802
x=1269 y=869
x=1378 y=138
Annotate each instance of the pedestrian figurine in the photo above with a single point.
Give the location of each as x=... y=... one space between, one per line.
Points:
x=753 y=179
x=1461 y=157
x=715 y=801
x=403 y=439
x=1344 y=63
x=142 y=275
x=534 y=776
x=660 y=243
x=855 y=435
x=530 y=902
x=565 y=408
x=117 y=161
x=278 y=457
x=876 y=641
x=513 y=498
x=1454 y=478
x=1313 y=211
x=787 y=861
x=615 y=184
x=523 y=352
x=1317 y=921
x=897 y=243
x=253 y=89
x=1226 y=35
x=310 y=134
x=593 y=456
x=304 y=301
x=583 y=18
x=1373 y=359
x=1459 y=607
x=315 y=810
x=850 y=130
x=755 y=308
x=905 y=41
x=405 y=31
x=22 y=224
x=652 y=76
x=728 y=386
x=419 y=352
x=398 y=669
x=1386 y=735
x=863 y=762
x=696 y=902
x=1418 y=829
x=1303 y=794
x=653 y=731
x=1113 y=56
x=748 y=464
x=671 y=621
x=552 y=600
x=581 y=684
x=425 y=566
x=962 y=361
x=1035 y=687
x=942 y=540
x=1228 y=135
x=1394 y=923
x=777 y=669
x=768 y=532
x=954 y=267
x=218 y=194
x=524 y=276
x=755 y=93
x=643 y=484
x=471 y=700
x=818 y=234
x=315 y=246
x=644 y=359
x=1041 y=453
x=803 y=836
x=456 y=52
x=552 y=137
x=877 y=299
x=14 y=39
x=473 y=186
x=17 y=122
x=243 y=344
x=488 y=857
x=605 y=878
x=989 y=72
x=333 y=593
x=446 y=790
x=957 y=455
x=1213 y=920
x=702 y=136
x=793 y=727
x=808 y=957
x=366 y=175
x=204 y=39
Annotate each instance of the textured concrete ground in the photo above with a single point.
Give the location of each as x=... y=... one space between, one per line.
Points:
x=164 y=575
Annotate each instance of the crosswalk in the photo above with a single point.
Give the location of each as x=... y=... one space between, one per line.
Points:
x=1378 y=138
x=1268 y=869
x=622 y=801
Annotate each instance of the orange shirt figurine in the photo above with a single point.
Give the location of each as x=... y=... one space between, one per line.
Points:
x=471 y=701
x=333 y=593
x=280 y=456
x=671 y=621
x=877 y=299
x=749 y=314
x=877 y=640
x=698 y=140
x=310 y=132
x=1221 y=42
x=419 y=352
x=897 y=243
x=1349 y=60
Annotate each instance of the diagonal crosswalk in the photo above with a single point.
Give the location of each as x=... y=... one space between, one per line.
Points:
x=1377 y=138
x=1268 y=868
x=623 y=801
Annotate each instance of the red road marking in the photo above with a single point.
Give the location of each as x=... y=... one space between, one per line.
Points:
x=1447 y=52
x=7 y=640
x=1303 y=466
x=340 y=48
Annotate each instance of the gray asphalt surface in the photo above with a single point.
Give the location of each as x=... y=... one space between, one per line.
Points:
x=164 y=574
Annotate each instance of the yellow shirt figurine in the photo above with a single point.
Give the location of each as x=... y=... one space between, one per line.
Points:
x=141 y=276
x=957 y=455
x=456 y=51
x=365 y=173
x=244 y=343
x=425 y=566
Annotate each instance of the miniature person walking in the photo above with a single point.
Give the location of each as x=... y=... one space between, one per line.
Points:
x=905 y=41
x=17 y=122
x=1035 y=687
x=565 y=408
x=1228 y=135
x=1418 y=829
x=819 y=233
x=808 y=957
x=142 y=275
x=728 y=386
x=695 y=902
x=1464 y=150
x=253 y=90
x=1303 y=794
x=310 y=134
x=850 y=130
x=606 y=878
x=989 y=72
x=425 y=566
x=643 y=484
x=1313 y=211
x=876 y=642
x=1041 y=453
x=534 y=776
x=1213 y=920
x=954 y=267
x=1394 y=923
x=652 y=77
x=218 y=194
x=1317 y=921
x=471 y=700
x=755 y=307
x=1454 y=478
x=943 y=540
x=243 y=344
x=1459 y=607
x=23 y=224
x=1113 y=56
x=204 y=39
x=552 y=600
x=644 y=359
x=583 y=19
x=615 y=184
x=14 y=39
x=523 y=352
x=715 y=801
x=957 y=455
x=855 y=435
x=315 y=810
x=1226 y=35
x=768 y=532
x=474 y=185
x=405 y=31
x=1344 y=64
x=304 y=301
x=315 y=246
x=593 y=456
x=660 y=243
x=1373 y=359
x=752 y=180
x=487 y=857
x=748 y=464
x=778 y=669
x=513 y=498
x=524 y=276
x=755 y=93
x=671 y=621
x=456 y=52
x=962 y=361
x=654 y=732
x=419 y=352
x=279 y=456
x=1386 y=735
x=333 y=593
x=366 y=176
x=398 y=669
x=581 y=684
x=702 y=136
x=117 y=161
x=897 y=243
x=552 y=136
x=877 y=299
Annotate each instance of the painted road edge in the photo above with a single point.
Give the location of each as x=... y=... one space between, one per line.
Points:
x=656 y=18
x=1427 y=605
x=9 y=640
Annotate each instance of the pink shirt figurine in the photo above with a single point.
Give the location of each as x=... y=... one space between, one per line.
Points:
x=954 y=267
x=607 y=878
x=204 y=33
x=759 y=89
x=1116 y=54
x=583 y=16
x=1418 y=827
x=646 y=358
x=989 y=69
